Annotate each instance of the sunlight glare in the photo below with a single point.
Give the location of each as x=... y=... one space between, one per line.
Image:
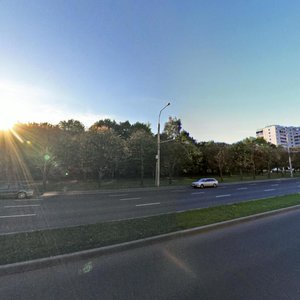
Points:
x=6 y=122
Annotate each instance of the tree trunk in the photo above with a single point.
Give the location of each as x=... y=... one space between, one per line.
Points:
x=100 y=175
x=142 y=166
x=45 y=176
x=241 y=174
x=221 y=173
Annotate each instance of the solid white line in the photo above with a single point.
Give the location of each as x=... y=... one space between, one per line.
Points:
x=220 y=196
x=17 y=216
x=198 y=193
x=269 y=190
x=146 y=204
x=14 y=206
x=242 y=188
x=118 y=195
x=125 y=199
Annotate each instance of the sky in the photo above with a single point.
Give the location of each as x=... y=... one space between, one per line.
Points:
x=227 y=67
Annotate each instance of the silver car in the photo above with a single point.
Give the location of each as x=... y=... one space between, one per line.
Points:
x=15 y=190
x=205 y=182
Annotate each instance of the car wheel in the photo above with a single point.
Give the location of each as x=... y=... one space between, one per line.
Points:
x=215 y=185
x=201 y=186
x=21 y=195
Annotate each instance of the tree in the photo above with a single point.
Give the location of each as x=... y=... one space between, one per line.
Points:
x=39 y=140
x=106 y=150
x=73 y=126
x=142 y=149
x=172 y=128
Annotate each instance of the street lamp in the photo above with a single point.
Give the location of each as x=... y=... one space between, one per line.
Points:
x=289 y=152
x=157 y=173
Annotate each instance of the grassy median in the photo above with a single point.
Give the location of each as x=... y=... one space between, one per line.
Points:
x=32 y=245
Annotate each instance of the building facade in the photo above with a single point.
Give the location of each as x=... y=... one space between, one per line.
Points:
x=280 y=135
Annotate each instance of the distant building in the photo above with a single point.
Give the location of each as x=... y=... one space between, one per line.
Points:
x=280 y=135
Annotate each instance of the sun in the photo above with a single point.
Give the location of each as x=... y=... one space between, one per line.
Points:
x=6 y=122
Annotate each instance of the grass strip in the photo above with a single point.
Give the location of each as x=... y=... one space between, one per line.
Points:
x=38 y=244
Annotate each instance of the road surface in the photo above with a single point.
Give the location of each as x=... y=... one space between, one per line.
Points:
x=56 y=211
x=254 y=260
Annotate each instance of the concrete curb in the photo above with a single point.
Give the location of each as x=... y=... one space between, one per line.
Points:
x=92 y=253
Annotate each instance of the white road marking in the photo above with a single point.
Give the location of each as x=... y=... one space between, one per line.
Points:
x=269 y=190
x=275 y=184
x=198 y=193
x=220 y=196
x=23 y=200
x=242 y=188
x=118 y=195
x=14 y=206
x=125 y=199
x=17 y=216
x=146 y=204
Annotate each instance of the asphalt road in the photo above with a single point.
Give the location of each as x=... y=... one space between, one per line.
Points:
x=55 y=211
x=254 y=260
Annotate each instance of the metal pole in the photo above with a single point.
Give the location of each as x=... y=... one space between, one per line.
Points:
x=289 y=153
x=157 y=181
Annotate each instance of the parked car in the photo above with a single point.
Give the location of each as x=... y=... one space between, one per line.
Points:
x=205 y=182
x=16 y=190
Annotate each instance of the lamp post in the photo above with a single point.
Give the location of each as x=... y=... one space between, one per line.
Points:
x=289 y=152
x=157 y=173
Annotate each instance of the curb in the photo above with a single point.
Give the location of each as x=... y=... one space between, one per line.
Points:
x=31 y=265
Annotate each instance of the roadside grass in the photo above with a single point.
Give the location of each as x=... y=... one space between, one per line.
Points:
x=80 y=185
x=46 y=243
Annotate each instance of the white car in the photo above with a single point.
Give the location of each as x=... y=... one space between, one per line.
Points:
x=205 y=182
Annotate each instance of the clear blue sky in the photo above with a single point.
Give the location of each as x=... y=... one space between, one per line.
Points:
x=228 y=67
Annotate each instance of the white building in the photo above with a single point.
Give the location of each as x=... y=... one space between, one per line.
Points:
x=281 y=135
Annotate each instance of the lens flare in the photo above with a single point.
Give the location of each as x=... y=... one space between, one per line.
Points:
x=6 y=122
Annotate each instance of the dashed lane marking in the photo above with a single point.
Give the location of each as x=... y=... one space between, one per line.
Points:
x=118 y=195
x=126 y=199
x=198 y=193
x=269 y=190
x=147 y=204
x=17 y=216
x=242 y=188
x=23 y=200
x=16 y=206
x=221 y=196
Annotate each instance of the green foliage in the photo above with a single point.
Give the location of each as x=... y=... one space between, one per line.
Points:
x=111 y=150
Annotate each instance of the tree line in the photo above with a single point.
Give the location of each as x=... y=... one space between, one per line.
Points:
x=42 y=151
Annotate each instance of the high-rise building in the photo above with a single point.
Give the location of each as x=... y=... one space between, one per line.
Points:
x=281 y=135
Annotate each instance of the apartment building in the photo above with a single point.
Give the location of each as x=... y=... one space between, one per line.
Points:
x=281 y=135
